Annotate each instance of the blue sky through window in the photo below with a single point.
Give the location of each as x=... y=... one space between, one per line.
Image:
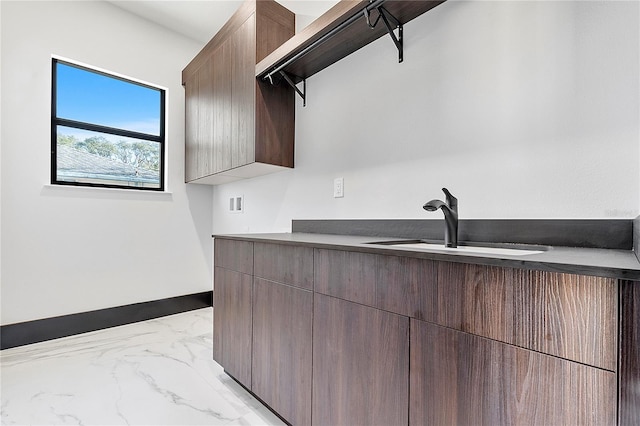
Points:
x=98 y=99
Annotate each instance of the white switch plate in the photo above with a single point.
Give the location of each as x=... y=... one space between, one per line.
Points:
x=338 y=187
x=236 y=204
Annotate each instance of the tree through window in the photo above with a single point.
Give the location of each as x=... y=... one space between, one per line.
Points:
x=105 y=130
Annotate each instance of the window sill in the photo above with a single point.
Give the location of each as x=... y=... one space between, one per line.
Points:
x=98 y=192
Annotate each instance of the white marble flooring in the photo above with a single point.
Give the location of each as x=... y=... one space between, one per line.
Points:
x=156 y=372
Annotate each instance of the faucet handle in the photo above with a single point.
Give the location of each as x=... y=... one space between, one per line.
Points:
x=452 y=201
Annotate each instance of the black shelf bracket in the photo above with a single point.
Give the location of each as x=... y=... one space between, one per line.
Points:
x=386 y=18
x=390 y=22
x=302 y=93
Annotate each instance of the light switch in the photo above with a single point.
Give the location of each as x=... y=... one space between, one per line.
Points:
x=338 y=187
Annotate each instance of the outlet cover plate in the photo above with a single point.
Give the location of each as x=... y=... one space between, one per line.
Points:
x=236 y=204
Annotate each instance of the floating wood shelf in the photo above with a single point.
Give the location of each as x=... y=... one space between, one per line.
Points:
x=347 y=40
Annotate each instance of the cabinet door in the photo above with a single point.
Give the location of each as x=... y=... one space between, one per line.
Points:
x=191 y=120
x=360 y=364
x=236 y=125
x=243 y=88
x=222 y=101
x=281 y=373
x=199 y=158
x=629 y=383
x=232 y=323
x=212 y=118
x=459 y=378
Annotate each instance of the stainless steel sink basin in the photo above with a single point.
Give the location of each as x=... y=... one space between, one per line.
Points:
x=493 y=249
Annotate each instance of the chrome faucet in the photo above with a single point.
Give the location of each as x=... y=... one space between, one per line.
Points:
x=450 y=210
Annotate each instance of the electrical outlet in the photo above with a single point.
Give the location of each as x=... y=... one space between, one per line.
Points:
x=236 y=204
x=338 y=187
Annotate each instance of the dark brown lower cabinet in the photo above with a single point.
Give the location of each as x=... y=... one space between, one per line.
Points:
x=368 y=339
x=232 y=323
x=461 y=379
x=281 y=374
x=629 y=383
x=360 y=364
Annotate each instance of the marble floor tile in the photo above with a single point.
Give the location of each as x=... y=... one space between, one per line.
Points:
x=156 y=372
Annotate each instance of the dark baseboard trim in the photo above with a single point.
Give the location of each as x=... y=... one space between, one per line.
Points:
x=26 y=333
x=258 y=398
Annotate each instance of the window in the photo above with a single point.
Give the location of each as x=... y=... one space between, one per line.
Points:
x=106 y=131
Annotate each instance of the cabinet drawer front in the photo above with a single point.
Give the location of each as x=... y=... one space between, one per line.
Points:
x=292 y=265
x=347 y=275
x=570 y=316
x=402 y=285
x=459 y=378
x=234 y=255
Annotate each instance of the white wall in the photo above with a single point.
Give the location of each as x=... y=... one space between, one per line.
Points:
x=68 y=250
x=521 y=109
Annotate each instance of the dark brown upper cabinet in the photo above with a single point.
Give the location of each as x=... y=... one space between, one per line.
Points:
x=237 y=127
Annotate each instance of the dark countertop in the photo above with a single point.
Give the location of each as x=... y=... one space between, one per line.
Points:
x=612 y=263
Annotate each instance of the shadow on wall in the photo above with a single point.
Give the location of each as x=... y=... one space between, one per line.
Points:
x=200 y=199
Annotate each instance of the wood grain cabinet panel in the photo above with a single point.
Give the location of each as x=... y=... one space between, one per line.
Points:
x=222 y=99
x=287 y=264
x=191 y=107
x=386 y=282
x=360 y=364
x=629 y=383
x=238 y=127
x=407 y=286
x=242 y=108
x=199 y=100
x=232 y=324
x=282 y=332
x=571 y=316
x=334 y=337
x=576 y=318
x=233 y=254
x=461 y=379
x=232 y=292
x=347 y=275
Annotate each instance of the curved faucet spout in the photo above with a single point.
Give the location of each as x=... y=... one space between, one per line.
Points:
x=450 y=210
x=434 y=205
